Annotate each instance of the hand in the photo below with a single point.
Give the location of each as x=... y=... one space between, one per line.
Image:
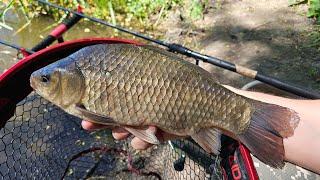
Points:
x=120 y=134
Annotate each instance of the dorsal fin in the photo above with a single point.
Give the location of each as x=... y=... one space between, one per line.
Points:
x=161 y=51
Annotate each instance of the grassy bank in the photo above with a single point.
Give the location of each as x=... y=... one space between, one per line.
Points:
x=138 y=13
x=313 y=12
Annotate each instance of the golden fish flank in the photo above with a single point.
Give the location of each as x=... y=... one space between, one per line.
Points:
x=136 y=86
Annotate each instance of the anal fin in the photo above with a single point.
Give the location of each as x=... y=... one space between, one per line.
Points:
x=209 y=140
x=144 y=133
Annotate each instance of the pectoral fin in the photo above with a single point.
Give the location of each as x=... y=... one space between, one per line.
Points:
x=144 y=134
x=209 y=140
x=94 y=117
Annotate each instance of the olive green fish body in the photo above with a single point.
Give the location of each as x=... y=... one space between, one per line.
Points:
x=142 y=86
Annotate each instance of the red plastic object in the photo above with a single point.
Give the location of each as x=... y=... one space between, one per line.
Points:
x=80 y=9
x=24 y=52
x=248 y=162
x=58 y=31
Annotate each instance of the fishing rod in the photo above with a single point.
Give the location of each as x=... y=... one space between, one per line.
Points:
x=56 y=34
x=205 y=58
x=16 y=47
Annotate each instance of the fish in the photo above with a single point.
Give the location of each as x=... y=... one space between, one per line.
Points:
x=135 y=86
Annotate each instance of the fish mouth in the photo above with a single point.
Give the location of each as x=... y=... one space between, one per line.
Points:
x=32 y=82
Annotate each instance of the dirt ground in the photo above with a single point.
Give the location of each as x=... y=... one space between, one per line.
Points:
x=265 y=35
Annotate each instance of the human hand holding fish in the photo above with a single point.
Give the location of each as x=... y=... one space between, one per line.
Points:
x=134 y=87
x=120 y=133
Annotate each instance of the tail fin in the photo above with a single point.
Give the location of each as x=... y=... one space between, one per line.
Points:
x=268 y=126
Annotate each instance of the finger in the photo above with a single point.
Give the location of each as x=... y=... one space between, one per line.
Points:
x=120 y=133
x=91 y=126
x=139 y=144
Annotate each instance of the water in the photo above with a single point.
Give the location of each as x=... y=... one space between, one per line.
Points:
x=33 y=33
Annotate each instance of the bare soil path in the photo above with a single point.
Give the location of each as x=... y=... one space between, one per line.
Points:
x=265 y=35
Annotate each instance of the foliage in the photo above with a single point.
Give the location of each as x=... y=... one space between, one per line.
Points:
x=313 y=10
x=6 y=7
x=3 y=10
x=313 y=72
x=315 y=37
x=129 y=12
x=142 y=13
x=196 y=10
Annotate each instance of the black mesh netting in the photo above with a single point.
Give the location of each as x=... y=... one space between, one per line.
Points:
x=43 y=142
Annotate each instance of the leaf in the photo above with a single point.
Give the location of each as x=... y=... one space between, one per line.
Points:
x=310 y=13
x=6 y=8
x=196 y=10
x=314 y=8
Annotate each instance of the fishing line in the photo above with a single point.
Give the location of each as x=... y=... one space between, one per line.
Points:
x=16 y=47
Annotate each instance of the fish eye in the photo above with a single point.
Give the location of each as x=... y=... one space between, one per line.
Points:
x=45 y=78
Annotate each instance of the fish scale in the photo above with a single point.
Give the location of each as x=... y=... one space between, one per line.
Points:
x=177 y=93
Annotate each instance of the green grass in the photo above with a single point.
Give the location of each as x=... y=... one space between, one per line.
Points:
x=313 y=9
x=141 y=13
x=128 y=11
x=5 y=7
x=315 y=37
x=313 y=12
